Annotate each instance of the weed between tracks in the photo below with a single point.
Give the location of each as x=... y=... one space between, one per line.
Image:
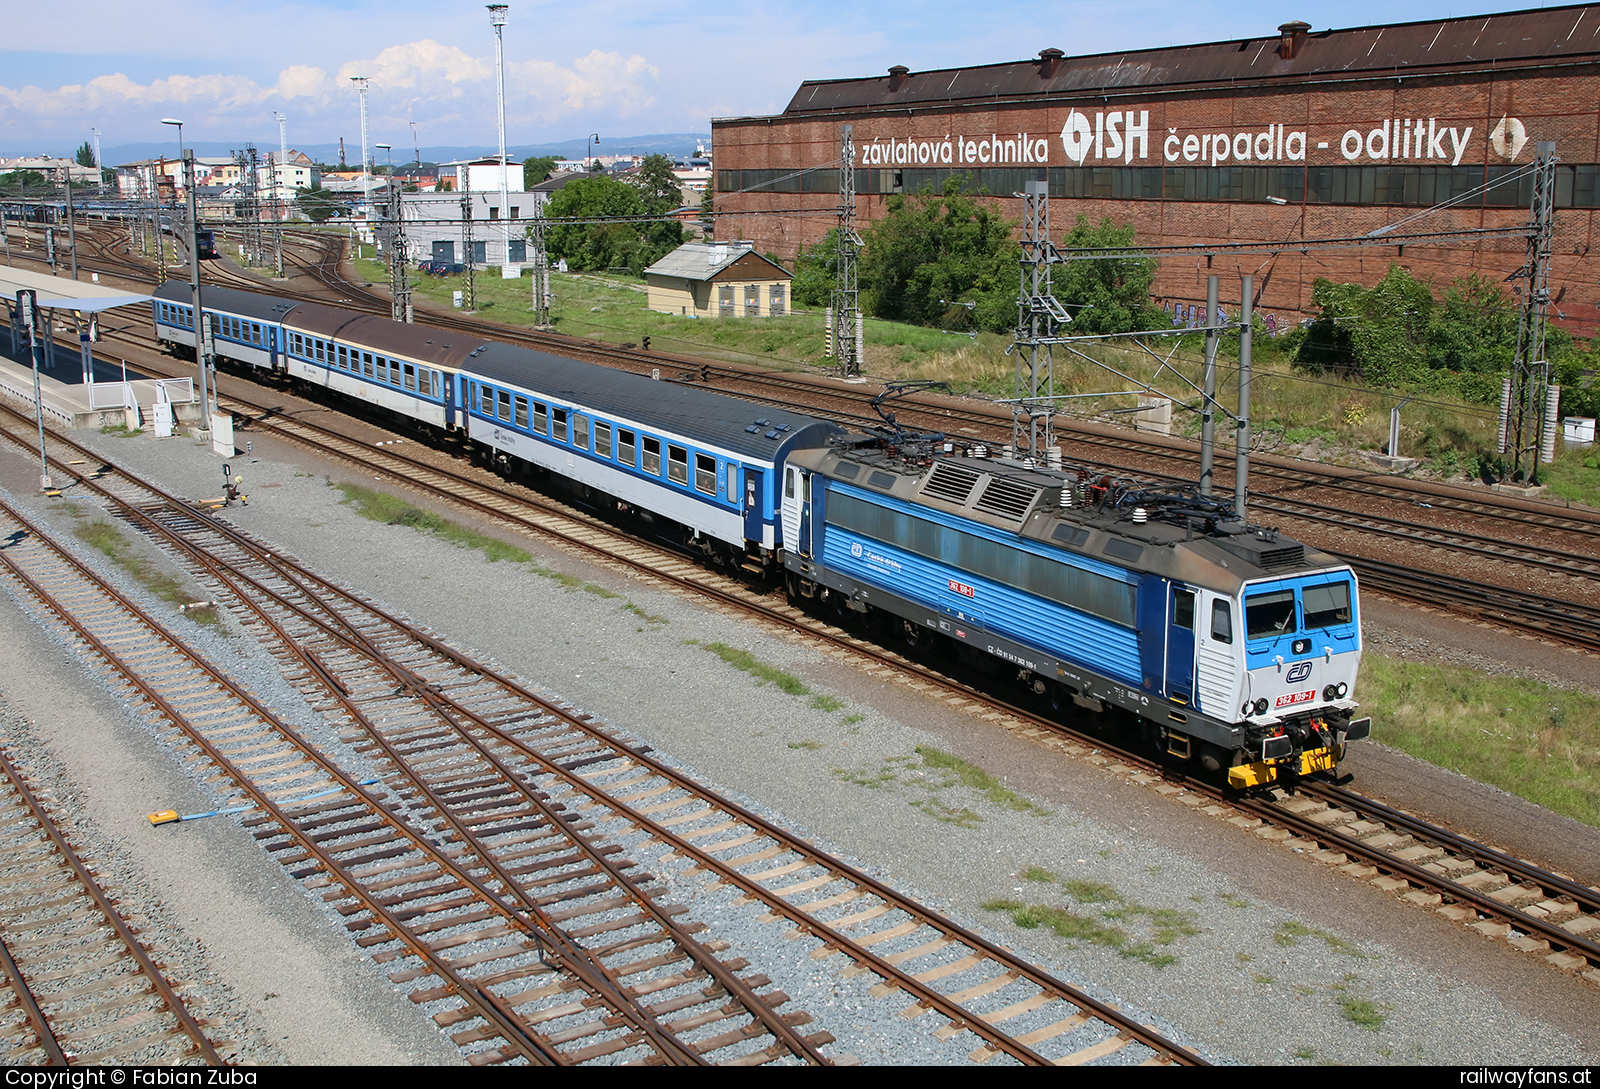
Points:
x=1538 y=742
x=110 y=540
x=1166 y=925
x=938 y=770
x=395 y=511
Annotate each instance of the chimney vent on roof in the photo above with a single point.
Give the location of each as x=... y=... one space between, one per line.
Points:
x=1294 y=39
x=1049 y=62
x=897 y=76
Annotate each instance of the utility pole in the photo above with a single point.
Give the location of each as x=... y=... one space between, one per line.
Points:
x=1039 y=318
x=847 y=333
x=200 y=341
x=1208 y=421
x=361 y=82
x=464 y=173
x=1241 y=440
x=497 y=16
x=72 y=231
x=1531 y=402
x=28 y=313
x=541 y=266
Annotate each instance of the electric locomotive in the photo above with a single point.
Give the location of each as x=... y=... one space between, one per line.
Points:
x=1232 y=645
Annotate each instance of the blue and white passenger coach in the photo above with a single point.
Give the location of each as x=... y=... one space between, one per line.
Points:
x=245 y=326
x=703 y=460
x=1235 y=647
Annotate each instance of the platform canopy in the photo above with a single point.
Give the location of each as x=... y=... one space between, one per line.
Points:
x=63 y=293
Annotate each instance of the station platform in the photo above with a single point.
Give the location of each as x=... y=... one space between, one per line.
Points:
x=74 y=404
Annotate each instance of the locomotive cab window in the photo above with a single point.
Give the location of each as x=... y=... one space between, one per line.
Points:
x=652 y=456
x=705 y=474
x=1268 y=616
x=602 y=439
x=558 y=424
x=580 y=432
x=1327 y=605
x=1222 y=622
x=1183 y=609
x=627 y=452
x=677 y=464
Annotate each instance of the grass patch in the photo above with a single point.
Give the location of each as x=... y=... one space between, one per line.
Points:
x=746 y=662
x=1291 y=932
x=108 y=539
x=121 y=431
x=1075 y=927
x=395 y=511
x=971 y=775
x=1167 y=924
x=647 y=617
x=851 y=720
x=1363 y=1011
x=808 y=743
x=1538 y=742
x=829 y=704
x=1234 y=900
x=1090 y=892
x=1037 y=873
x=957 y=815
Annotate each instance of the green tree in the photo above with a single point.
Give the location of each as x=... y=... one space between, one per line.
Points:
x=30 y=182
x=85 y=155
x=934 y=251
x=816 y=272
x=318 y=204
x=658 y=185
x=1379 y=333
x=1111 y=295
x=597 y=246
x=536 y=170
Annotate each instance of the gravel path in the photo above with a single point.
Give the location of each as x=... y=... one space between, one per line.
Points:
x=1273 y=957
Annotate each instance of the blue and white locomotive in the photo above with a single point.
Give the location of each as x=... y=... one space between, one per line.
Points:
x=1235 y=647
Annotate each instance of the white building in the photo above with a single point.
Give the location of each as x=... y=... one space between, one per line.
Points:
x=433 y=221
x=280 y=181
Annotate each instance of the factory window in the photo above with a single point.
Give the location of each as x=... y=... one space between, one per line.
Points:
x=677 y=464
x=602 y=439
x=514 y=211
x=775 y=301
x=522 y=413
x=1326 y=605
x=580 y=432
x=1267 y=616
x=518 y=252
x=652 y=456
x=626 y=452
x=541 y=419
x=1222 y=621
x=752 y=300
x=725 y=300
x=558 y=424
x=705 y=474
x=494 y=215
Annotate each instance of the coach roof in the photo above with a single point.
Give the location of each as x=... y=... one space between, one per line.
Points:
x=441 y=348
x=247 y=304
x=1482 y=42
x=672 y=408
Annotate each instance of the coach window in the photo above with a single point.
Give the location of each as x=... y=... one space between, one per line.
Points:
x=652 y=456
x=296 y=345
x=319 y=344
x=366 y=363
x=1222 y=622
x=410 y=372
x=602 y=439
x=344 y=358
x=677 y=464
x=705 y=474
x=504 y=410
x=558 y=424
x=255 y=333
x=627 y=453
x=541 y=419
x=580 y=432
x=521 y=407
x=486 y=401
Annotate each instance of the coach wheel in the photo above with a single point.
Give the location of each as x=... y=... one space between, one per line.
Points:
x=910 y=634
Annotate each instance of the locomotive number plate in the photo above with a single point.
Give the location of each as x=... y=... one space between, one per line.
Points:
x=1296 y=697
x=962 y=588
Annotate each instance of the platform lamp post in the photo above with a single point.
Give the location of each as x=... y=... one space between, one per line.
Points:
x=594 y=137
x=194 y=278
x=28 y=314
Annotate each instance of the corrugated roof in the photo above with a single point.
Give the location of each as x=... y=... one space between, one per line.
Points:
x=1507 y=40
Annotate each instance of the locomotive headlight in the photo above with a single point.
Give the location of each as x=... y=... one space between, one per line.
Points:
x=1331 y=693
x=1261 y=707
x=1245 y=710
x=1344 y=689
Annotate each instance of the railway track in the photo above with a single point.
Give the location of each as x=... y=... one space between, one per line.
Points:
x=82 y=988
x=427 y=716
x=1360 y=843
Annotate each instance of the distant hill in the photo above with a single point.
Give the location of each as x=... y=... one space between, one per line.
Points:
x=671 y=143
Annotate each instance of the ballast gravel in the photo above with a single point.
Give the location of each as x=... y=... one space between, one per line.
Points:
x=1245 y=951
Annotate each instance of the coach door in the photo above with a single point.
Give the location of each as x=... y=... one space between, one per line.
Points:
x=797 y=510
x=753 y=519
x=1180 y=645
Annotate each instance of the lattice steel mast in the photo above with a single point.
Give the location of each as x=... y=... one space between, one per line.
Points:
x=464 y=173
x=1528 y=425
x=1039 y=318
x=847 y=335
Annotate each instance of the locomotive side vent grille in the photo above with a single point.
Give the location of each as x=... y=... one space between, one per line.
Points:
x=1274 y=558
x=952 y=483
x=1007 y=498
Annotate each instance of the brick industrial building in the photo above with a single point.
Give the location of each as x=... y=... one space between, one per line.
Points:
x=1300 y=134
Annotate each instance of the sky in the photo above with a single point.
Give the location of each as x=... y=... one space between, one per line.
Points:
x=609 y=66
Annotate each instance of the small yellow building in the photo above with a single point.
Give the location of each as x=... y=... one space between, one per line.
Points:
x=718 y=280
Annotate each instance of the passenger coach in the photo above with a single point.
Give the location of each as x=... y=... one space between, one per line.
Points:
x=245 y=326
